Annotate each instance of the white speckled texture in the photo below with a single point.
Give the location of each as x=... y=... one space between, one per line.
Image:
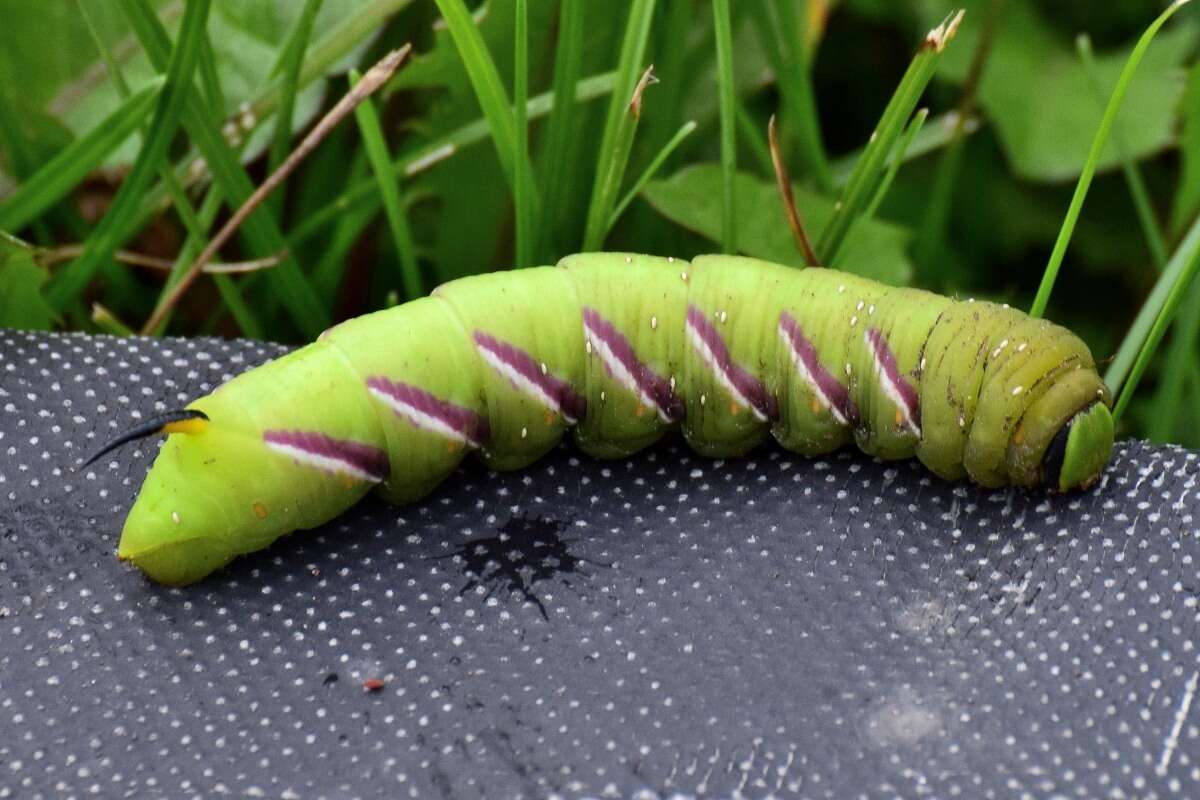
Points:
x=825 y=629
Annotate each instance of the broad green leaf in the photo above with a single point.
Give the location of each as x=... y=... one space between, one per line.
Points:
x=21 y=279
x=1038 y=96
x=692 y=198
x=45 y=48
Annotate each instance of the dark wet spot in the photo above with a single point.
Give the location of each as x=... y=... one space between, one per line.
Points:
x=330 y=679
x=526 y=551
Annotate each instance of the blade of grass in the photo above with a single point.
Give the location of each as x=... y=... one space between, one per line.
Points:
x=260 y=230
x=621 y=117
x=1190 y=260
x=1180 y=365
x=291 y=59
x=891 y=125
x=937 y=133
x=523 y=184
x=727 y=102
x=797 y=90
x=389 y=190
x=749 y=134
x=115 y=226
x=560 y=127
x=61 y=174
x=485 y=79
x=111 y=65
x=1089 y=167
x=108 y=322
x=898 y=158
x=1139 y=332
x=197 y=231
x=434 y=153
x=614 y=174
x=372 y=80
x=1133 y=176
x=931 y=240
x=648 y=174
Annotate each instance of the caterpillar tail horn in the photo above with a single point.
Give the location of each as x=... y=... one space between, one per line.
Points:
x=186 y=420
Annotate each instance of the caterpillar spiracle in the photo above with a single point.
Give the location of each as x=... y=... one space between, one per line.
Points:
x=622 y=349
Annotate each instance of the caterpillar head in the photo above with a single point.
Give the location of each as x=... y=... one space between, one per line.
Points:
x=1077 y=454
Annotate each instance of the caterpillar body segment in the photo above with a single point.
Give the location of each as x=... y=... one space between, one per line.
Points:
x=621 y=349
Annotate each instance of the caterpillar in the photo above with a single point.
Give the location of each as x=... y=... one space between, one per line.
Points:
x=622 y=349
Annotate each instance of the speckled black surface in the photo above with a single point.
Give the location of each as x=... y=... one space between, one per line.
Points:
x=666 y=624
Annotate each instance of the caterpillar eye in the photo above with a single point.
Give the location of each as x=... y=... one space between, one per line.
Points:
x=1080 y=449
x=185 y=420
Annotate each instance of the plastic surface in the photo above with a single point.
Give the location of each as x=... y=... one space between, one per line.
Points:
x=665 y=624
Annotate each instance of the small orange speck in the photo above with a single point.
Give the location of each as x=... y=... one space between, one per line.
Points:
x=733 y=409
x=640 y=411
x=372 y=685
x=453 y=446
x=899 y=418
x=551 y=417
x=260 y=511
x=1019 y=435
x=815 y=405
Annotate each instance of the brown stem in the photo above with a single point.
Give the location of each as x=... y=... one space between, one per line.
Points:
x=375 y=77
x=784 y=181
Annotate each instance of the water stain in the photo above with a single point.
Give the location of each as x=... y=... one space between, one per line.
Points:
x=524 y=552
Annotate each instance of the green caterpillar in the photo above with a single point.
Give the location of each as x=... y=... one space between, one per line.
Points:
x=623 y=349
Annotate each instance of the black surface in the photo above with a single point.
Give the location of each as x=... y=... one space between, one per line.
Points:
x=829 y=628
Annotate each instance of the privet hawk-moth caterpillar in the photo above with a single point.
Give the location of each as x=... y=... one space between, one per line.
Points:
x=621 y=349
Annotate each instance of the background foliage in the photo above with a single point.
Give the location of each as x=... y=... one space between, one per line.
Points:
x=974 y=209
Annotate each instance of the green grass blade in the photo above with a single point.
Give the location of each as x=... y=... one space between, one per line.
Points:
x=651 y=170
x=291 y=59
x=1180 y=365
x=389 y=190
x=891 y=126
x=485 y=79
x=1136 y=341
x=1189 y=259
x=86 y=10
x=727 y=101
x=118 y=224
x=61 y=174
x=434 y=153
x=619 y=123
x=260 y=229
x=523 y=184
x=1133 y=176
x=797 y=90
x=1089 y=167
x=109 y=323
x=755 y=141
x=898 y=158
x=560 y=127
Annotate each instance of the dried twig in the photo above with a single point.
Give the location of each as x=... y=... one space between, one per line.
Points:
x=784 y=181
x=66 y=252
x=375 y=77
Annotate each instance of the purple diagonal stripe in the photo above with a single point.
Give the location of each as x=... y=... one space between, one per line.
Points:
x=899 y=390
x=831 y=392
x=429 y=412
x=622 y=364
x=329 y=454
x=746 y=389
x=526 y=375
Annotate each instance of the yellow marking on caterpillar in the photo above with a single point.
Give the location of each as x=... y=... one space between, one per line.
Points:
x=260 y=511
x=189 y=426
x=815 y=405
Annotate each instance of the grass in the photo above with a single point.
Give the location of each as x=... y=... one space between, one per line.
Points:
x=506 y=105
